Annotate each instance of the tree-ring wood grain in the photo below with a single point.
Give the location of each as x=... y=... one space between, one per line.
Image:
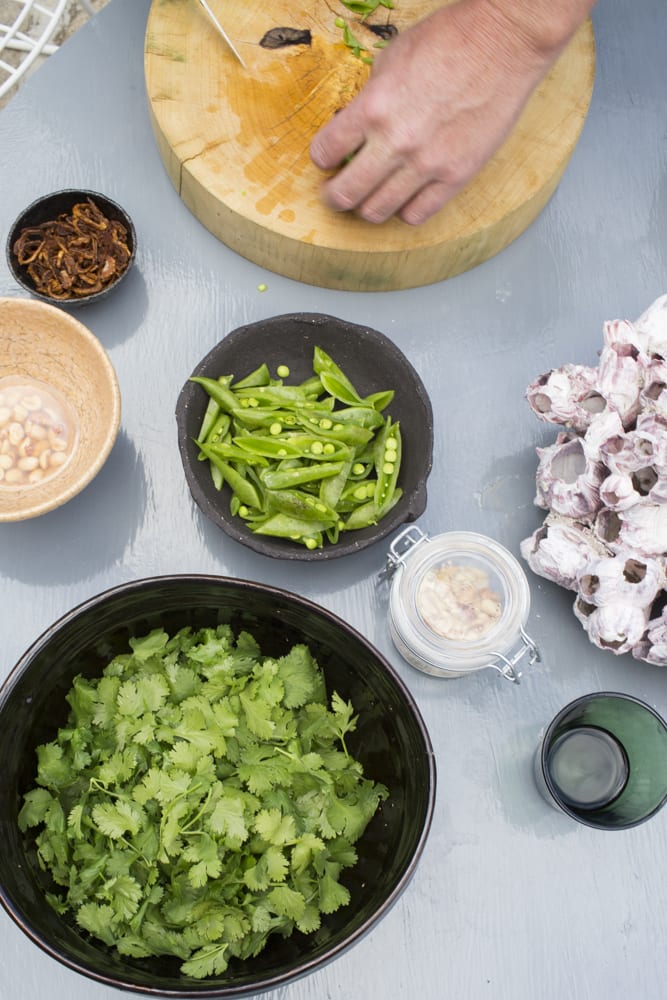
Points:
x=235 y=143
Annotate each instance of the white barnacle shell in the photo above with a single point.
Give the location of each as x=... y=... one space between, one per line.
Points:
x=561 y=549
x=567 y=481
x=604 y=485
x=643 y=478
x=566 y=395
x=649 y=441
x=653 y=397
x=604 y=437
x=621 y=579
x=617 y=492
x=652 y=647
x=651 y=328
x=641 y=528
x=617 y=627
x=630 y=452
x=622 y=331
x=621 y=379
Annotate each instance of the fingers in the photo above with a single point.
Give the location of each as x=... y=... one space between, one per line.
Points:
x=380 y=182
x=427 y=203
x=340 y=138
x=370 y=170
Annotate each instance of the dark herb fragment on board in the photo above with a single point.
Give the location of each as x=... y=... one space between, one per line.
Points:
x=279 y=38
x=384 y=31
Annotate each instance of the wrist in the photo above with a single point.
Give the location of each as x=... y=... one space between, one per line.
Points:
x=542 y=27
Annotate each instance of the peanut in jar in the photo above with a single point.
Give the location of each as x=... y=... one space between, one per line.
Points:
x=38 y=432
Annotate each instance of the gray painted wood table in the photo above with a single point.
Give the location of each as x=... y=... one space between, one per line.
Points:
x=511 y=900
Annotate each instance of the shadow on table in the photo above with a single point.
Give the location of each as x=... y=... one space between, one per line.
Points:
x=117 y=318
x=88 y=534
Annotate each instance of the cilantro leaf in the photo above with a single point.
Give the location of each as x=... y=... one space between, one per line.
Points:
x=332 y=894
x=114 y=819
x=36 y=803
x=199 y=799
x=208 y=961
x=228 y=819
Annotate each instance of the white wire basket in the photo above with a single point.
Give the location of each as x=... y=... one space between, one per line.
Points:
x=26 y=30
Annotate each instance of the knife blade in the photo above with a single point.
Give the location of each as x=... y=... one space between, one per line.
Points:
x=222 y=31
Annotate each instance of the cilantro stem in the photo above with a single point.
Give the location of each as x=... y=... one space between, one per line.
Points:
x=198 y=815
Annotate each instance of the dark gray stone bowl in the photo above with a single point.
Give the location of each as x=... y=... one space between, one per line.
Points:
x=47 y=209
x=370 y=360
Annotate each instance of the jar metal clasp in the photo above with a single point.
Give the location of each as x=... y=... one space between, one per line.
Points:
x=404 y=541
x=507 y=665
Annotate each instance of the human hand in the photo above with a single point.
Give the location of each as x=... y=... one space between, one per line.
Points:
x=441 y=99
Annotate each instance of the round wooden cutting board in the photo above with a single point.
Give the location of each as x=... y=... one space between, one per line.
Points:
x=235 y=143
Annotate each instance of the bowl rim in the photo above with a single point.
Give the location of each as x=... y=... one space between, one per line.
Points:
x=307 y=967
x=409 y=509
x=69 y=490
x=75 y=193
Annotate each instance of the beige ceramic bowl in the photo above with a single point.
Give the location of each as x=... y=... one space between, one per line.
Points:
x=43 y=348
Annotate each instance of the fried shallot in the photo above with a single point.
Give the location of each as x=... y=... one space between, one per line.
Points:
x=75 y=255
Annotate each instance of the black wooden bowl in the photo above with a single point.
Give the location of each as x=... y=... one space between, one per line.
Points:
x=370 y=360
x=47 y=209
x=391 y=742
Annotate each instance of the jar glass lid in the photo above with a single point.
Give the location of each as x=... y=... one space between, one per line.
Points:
x=459 y=600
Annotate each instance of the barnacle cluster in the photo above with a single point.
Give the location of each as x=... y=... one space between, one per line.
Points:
x=604 y=484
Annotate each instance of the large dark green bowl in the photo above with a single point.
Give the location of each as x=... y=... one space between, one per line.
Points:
x=391 y=742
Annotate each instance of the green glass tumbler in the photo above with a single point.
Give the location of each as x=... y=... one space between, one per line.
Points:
x=603 y=761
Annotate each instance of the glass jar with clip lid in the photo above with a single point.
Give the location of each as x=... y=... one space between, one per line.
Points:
x=458 y=603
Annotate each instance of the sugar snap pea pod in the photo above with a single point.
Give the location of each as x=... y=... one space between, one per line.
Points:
x=235 y=479
x=252 y=474
x=361 y=469
x=216 y=433
x=358 y=491
x=223 y=396
x=351 y=434
x=219 y=429
x=300 y=504
x=337 y=380
x=369 y=513
x=260 y=376
x=278 y=395
x=264 y=416
x=211 y=414
x=380 y=400
x=279 y=480
x=387 y=460
x=333 y=532
x=311 y=385
x=294 y=445
x=340 y=388
x=268 y=447
x=332 y=487
x=230 y=453
x=364 y=416
x=216 y=476
x=298 y=529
